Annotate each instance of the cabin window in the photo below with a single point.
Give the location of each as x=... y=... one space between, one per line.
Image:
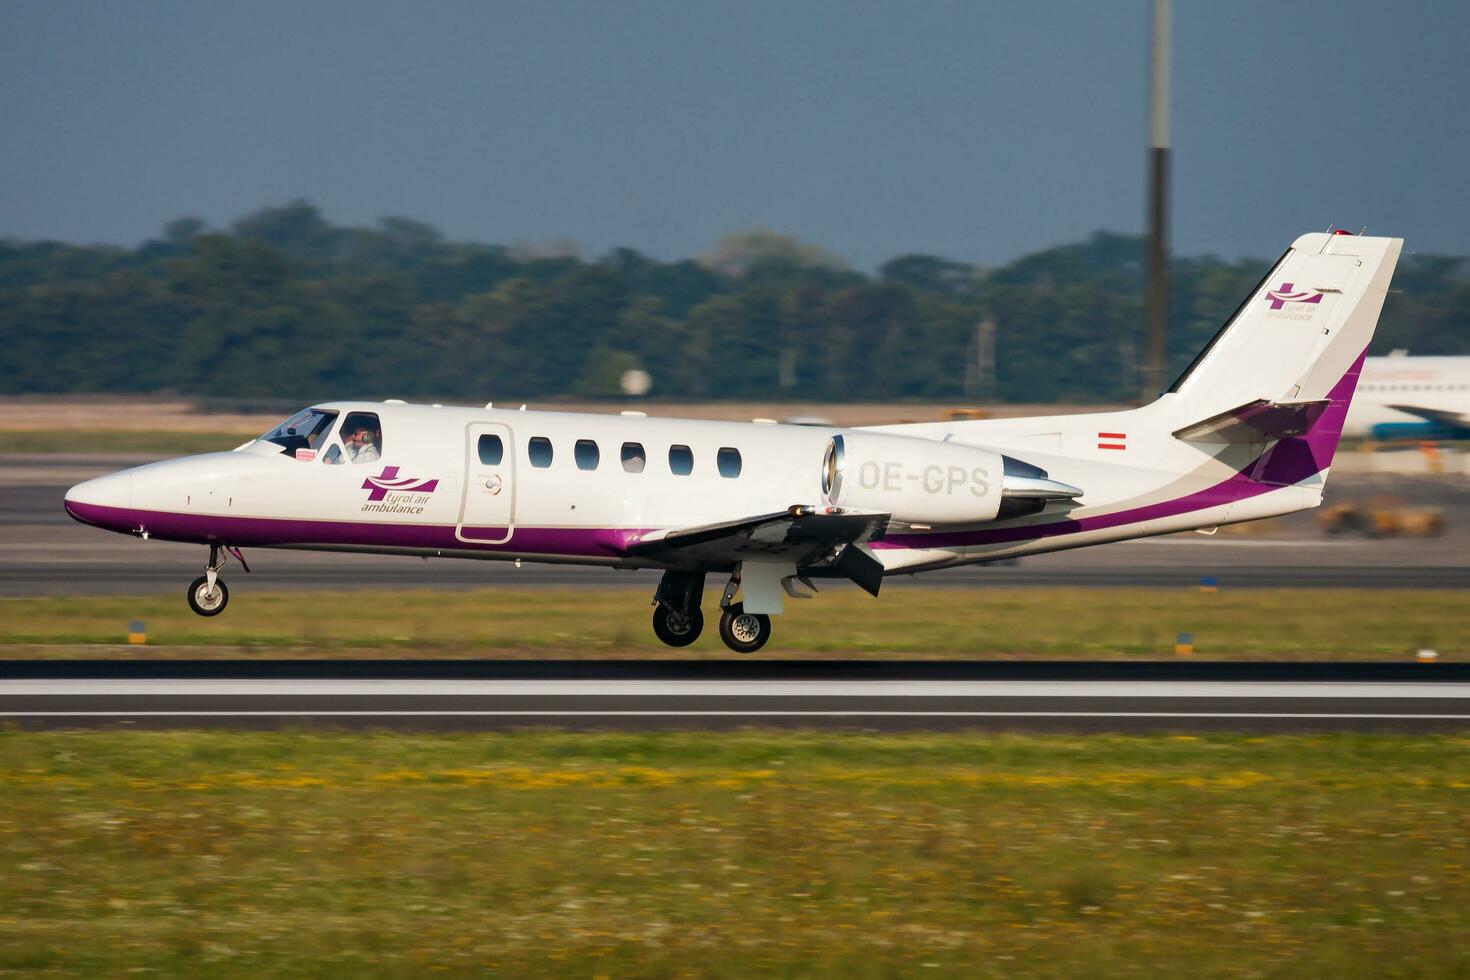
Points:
x=586 y=453
x=634 y=458
x=681 y=460
x=362 y=437
x=540 y=452
x=729 y=462
x=304 y=431
x=491 y=450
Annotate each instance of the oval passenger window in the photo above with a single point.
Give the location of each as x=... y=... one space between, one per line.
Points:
x=492 y=450
x=540 y=452
x=729 y=462
x=586 y=454
x=681 y=460
x=633 y=457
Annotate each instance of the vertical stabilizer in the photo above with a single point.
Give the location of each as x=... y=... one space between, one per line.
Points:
x=1299 y=338
x=1300 y=331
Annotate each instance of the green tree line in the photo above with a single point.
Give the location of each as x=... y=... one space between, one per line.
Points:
x=286 y=304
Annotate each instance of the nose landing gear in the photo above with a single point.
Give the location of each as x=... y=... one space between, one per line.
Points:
x=208 y=594
x=206 y=599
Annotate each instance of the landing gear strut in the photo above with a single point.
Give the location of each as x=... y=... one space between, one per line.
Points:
x=677 y=620
x=207 y=594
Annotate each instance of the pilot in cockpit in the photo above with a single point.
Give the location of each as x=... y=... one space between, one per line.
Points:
x=361 y=443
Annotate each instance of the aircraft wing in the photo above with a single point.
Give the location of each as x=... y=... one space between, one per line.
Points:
x=829 y=540
x=1453 y=420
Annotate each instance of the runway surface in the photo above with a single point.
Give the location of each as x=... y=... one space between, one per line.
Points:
x=44 y=552
x=648 y=695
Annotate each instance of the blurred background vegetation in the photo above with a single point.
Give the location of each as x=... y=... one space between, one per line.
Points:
x=285 y=304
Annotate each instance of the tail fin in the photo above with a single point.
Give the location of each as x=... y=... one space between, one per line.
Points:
x=1298 y=340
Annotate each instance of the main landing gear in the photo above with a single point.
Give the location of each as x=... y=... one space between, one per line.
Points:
x=208 y=593
x=677 y=619
x=744 y=632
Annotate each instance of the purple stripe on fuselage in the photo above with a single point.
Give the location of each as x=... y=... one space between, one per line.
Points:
x=571 y=542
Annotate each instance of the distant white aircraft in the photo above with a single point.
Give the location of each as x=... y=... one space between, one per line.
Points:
x=1411 y=397
x=1247 y=432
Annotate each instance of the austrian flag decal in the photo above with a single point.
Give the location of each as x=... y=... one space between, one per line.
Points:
x=1112 y=440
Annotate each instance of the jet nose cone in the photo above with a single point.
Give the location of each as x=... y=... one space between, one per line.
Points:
x=94 y=501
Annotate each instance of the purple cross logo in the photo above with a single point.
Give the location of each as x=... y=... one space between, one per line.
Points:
x=1287 y=293
x=389 y=481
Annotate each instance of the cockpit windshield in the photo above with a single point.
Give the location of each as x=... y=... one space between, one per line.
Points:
x=306 y=430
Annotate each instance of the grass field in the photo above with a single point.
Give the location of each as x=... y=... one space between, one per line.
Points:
x=732 y=855
x=842 y=622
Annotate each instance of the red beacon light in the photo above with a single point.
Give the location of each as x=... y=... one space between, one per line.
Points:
x=1341 y=231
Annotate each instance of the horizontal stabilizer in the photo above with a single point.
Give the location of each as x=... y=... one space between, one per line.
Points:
x=1257 y=421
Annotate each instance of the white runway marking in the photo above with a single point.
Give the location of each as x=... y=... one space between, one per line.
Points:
x=556 y=713
x=316 y=687
x=1198 y=540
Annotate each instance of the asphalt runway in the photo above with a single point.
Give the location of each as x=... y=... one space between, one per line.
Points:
x=657 y=695
x=44 y=552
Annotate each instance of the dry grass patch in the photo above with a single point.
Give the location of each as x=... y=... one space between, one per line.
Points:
x=842 y=622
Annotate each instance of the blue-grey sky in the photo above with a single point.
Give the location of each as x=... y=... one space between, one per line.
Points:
x=978 y=131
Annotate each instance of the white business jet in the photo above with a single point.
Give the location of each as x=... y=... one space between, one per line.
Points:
x=1247 y=432
x=1403 y=397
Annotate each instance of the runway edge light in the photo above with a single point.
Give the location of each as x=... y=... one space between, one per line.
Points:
x=137 y=631
x=1184 y=644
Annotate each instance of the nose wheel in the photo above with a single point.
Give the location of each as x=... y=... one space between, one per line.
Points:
x=207 y=599
x=207 y=594
x=744 y=632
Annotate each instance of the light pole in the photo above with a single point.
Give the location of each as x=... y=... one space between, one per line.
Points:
x=1158 y=198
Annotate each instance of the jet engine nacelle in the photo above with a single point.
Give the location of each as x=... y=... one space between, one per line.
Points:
x=918 y=481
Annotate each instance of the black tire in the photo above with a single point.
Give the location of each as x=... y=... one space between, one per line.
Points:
x=744 y=632
x=196 y=596
x=677 y=631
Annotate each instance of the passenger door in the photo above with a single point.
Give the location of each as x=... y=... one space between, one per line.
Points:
x=487 y=508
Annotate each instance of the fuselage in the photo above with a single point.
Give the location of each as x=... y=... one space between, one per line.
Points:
x=569 y=487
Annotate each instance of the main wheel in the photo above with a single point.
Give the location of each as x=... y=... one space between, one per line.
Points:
x=744 y=632
x=205 y=602
x=676 y=630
